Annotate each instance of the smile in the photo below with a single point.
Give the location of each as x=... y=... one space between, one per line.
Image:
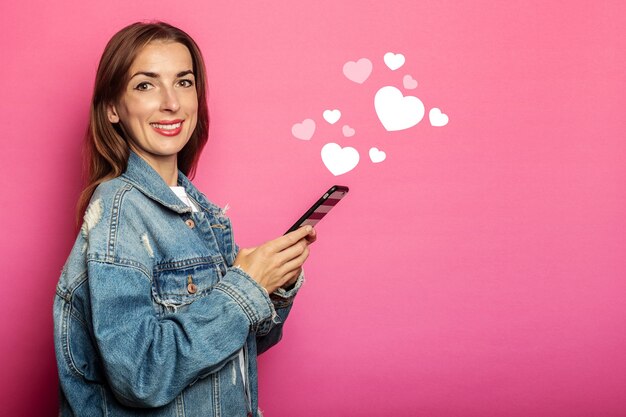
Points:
x=168 y=128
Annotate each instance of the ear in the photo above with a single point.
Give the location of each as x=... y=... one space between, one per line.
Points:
x=112 y=114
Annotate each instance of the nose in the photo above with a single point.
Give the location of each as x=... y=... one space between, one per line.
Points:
x=169 y=100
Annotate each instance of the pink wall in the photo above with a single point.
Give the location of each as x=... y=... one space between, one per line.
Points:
x=479 y=270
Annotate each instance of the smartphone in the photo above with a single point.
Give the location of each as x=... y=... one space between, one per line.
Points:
x=321 y=207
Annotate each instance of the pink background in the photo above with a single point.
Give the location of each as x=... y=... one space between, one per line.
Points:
x=478 y=271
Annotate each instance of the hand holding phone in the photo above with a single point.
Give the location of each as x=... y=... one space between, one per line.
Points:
x=278 y=262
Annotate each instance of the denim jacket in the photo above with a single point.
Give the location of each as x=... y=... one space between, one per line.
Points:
x=150 y=314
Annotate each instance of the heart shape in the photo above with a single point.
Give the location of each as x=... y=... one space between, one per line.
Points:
x=437 y=118
x=395 y=111
x=393 y=61
x=331 y=116
x=358 y=71
x=409 y=82
x=303 y=130
x=377 y=155
x=347 y=131
x=339 y=160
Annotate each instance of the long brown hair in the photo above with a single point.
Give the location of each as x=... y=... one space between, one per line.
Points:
x=106 y=148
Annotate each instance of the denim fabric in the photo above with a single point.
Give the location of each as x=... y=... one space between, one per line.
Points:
x=149 y=312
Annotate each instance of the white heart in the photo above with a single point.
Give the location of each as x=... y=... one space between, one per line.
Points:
x=395 y=111
x=377 y=155
x=339 y=160
x=409 y=82
x=331 y=116
x=394 y=61
x=304 y=130
x=437 y=118
x=358 y=71
x=347 y=131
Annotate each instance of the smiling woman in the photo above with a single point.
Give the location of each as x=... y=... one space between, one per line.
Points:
x=157 y=311
x=158 y=109
x=107 y=148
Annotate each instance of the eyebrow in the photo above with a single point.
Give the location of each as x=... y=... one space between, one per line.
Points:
x=155 y=75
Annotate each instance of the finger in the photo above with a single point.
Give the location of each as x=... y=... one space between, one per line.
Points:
x=290 y=239
x=312 y=236
x=294 y=263
x=292 y=277
x=291 y=252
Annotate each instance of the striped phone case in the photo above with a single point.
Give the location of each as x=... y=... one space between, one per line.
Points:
x=321 y=207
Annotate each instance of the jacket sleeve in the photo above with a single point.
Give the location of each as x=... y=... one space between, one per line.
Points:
x=149 y=360
x=271 y=331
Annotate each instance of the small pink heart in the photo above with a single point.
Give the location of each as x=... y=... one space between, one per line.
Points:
x=409 y=82
x=358 y=71
x=303 y=130
x=347 y=131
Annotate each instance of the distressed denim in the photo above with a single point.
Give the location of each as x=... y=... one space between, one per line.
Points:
x=149 y=312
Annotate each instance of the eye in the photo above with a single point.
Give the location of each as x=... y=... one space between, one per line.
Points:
x=186 y=83
x=143 y=86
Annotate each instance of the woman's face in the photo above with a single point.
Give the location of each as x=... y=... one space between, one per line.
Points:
x=159 y=106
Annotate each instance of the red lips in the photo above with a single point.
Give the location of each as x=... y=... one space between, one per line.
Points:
x=168 y=127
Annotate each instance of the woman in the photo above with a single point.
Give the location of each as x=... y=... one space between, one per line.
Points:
x=157 y=311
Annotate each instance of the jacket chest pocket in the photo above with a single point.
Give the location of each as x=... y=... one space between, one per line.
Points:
x=219 y=227
x=178 y=284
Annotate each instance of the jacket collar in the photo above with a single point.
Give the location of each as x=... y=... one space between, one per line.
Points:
x=149 y=182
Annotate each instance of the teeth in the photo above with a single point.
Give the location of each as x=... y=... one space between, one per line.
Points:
x=166 y=127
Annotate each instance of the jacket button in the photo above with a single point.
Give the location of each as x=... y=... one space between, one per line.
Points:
x=192 y=288
x=190 y=223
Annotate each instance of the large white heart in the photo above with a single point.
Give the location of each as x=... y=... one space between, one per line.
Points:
x=339 y=160
x=395 y=111
x=331 y=116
